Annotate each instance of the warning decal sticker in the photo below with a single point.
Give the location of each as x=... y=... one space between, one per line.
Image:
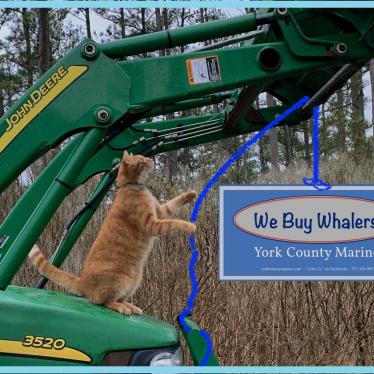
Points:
x=203 y=70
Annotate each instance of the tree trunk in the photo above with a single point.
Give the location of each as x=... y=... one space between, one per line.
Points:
x=165 y=18
x=142 y=14
x=122 y=23
x=358 y=116
x=159 y=25
x=165 y=26
x=202 y=20
x=287 y=145
x=183 y=14
x=184 y=154
x=182 y=25
x=372 y=94
x=88 y=22
x=261 y=145
x=2 y=110
x=158 y=19
x=45 y=60
x=307 y=149
x=172 y=160
x=274 y=152
x=144 y=26
x=44 y=45
x=341 y=125
x=26 y=33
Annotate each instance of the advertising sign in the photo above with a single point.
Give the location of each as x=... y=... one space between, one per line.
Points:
x=296 y=233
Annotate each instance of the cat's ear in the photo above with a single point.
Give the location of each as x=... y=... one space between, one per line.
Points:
x=126 y=158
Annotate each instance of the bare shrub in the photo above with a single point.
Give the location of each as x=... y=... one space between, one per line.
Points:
x=266 y=323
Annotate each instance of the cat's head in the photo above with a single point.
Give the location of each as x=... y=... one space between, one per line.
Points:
x=134 y=168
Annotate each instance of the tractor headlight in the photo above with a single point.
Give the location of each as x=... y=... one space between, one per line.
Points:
x=168 y=358
x=171 y=356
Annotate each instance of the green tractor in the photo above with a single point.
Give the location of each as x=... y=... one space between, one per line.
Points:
x=96 y=102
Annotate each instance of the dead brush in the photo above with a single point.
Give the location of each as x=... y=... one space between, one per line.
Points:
x=265 y=323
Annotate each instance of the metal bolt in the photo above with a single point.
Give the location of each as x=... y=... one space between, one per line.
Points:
x=282 y=11
x=102 y=115
x=341 y=48
x=116 y=164
x=90 y=50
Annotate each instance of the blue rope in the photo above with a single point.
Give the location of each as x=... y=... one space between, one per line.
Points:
x=195 y=253
x=315 y=182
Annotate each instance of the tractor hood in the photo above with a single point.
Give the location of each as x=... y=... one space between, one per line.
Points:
x=63 y=329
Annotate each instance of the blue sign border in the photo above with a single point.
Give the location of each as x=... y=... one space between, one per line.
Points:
x=279 y=187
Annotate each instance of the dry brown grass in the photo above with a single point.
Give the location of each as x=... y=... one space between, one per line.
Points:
x=273 y=323
x=267 y=323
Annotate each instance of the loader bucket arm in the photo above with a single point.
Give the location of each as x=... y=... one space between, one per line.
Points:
x=298 y=45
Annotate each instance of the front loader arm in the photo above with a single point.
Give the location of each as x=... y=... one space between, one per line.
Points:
x=68 y=98
x=62 y=102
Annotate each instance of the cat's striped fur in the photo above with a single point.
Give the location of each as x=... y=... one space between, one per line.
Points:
x=113 y=269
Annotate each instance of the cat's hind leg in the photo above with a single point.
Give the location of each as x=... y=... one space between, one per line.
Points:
x=108 y=297
x=134 y=309
x=111 y=303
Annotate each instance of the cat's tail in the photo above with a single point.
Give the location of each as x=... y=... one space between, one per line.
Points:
x=57 y=276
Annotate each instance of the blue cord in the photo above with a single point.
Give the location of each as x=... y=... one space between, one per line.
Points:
x=195 y=253
x=315 y=182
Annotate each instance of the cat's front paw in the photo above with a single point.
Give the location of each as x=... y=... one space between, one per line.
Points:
x=189 y=196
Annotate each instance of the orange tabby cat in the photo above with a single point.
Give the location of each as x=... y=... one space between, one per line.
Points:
x=113 y=269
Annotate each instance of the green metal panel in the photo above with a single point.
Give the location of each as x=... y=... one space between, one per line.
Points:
x=197 y=344
x=103 y=160
x=188 y=104
x=103 y=83
x=183 y=36
x=153 y=85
